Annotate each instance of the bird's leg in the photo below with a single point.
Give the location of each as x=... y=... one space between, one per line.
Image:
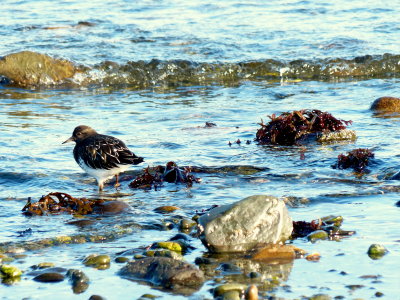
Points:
x=117 y=184
x=101 y=185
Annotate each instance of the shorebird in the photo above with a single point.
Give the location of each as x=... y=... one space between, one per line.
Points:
x=101 y=156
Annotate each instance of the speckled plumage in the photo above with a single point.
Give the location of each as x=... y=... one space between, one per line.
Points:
x=101 y=156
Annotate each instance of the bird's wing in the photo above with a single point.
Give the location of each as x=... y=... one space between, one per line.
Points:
x=106 y=152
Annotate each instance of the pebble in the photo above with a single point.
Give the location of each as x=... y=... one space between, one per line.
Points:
x=121 y=259
x=317 y=235
x=49 y=277
x=376 y=251
x=251 y=293
x=97 y=260
x=166 y=209
x=96 y=297
x=222 y=289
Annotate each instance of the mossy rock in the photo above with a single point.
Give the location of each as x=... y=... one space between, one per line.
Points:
x=386 y=105
x=97 y=260
x=28 y=68
x=376 y=251
x=8 y=271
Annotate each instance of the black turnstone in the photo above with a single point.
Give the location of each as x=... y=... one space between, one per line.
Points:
x=101 y=156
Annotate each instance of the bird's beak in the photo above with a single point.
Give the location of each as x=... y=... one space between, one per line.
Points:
x=71 y=139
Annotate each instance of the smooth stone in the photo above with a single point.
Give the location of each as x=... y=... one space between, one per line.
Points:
x=79 y=280
x=8 y=271
x=231 y=295
x=166 y=209
x=45 y=265
x=49 y=277
x=278 y=252
x=97 y=260
x=121 y=259
x=222 y=289
x=244 y=225
x=163 y=253
x=317 y=235
x=111 y=207
x=376 y=251
x=96 y=297
x=386 y=105
x=162 y=271
x=251 y=293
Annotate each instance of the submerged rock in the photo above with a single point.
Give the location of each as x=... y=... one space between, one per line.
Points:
x=386 y=105
x=79 y=280
x=165 y=272
x=97 y=261
x=30 y=68
x=244 y=225
x=49 y=277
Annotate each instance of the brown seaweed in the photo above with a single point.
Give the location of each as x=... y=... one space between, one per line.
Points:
x=330 y=225
x=358 y=159
x=170 y=173
x=57 y=203
x=289 y=127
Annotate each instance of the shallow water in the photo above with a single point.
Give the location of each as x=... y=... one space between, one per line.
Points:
x=163 y=120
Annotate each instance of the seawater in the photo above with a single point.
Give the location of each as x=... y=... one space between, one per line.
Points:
x=163 y=120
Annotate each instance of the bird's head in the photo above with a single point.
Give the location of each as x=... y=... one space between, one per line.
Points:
x=80 y=133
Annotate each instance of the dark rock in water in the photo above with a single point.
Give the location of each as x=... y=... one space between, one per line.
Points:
x=165 y=272
x=376 y=251
x=30 y=68
x=111 y=207
x=79 y=280
x=386 y=105
x=96 y=297
x=244 y=225
x=49 y=277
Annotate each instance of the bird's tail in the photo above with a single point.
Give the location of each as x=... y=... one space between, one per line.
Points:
x=137 y=160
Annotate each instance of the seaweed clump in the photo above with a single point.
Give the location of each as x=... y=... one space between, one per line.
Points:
x=56 y=203
x=330 y=224
x=358 y=159
x=289 y=127
x=170 y=173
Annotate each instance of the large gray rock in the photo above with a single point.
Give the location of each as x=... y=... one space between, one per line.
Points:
x=242 y=226
x=168 y=273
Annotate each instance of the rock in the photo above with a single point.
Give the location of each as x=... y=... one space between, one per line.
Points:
x=278 y=252
x=111 y=207
x=231 y=295
x=79 y=280
x=333 y=136
x=166 y=209
x=96 y=297
x=44 y=265
x=121 y=259
x=49 y=277
x=223 y=289
x=165 y=272
x=376 y=251
x=30 y=68
x=244 y=225
x=186 y=224
x=315 y=256
x=386 y=105
x=8 y=271
x=97 y=261
x=251 y=293
x=163 y=253
x=317 y=235
x=173 y=246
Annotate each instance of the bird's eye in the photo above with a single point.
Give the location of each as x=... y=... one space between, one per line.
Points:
x=79 y=133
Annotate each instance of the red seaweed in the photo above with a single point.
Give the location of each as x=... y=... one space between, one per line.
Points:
x=358 y=159
x=289 y=127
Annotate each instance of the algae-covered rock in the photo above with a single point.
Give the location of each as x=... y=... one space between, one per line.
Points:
x=386 y=105
x=334 y=136
x=376 y=251
x=222 y=289
x=173 y=246
x=30 y=68
x=252 y=222
x=8 y=271
x=163 y=253
x=97 y=260
x=317 y=235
